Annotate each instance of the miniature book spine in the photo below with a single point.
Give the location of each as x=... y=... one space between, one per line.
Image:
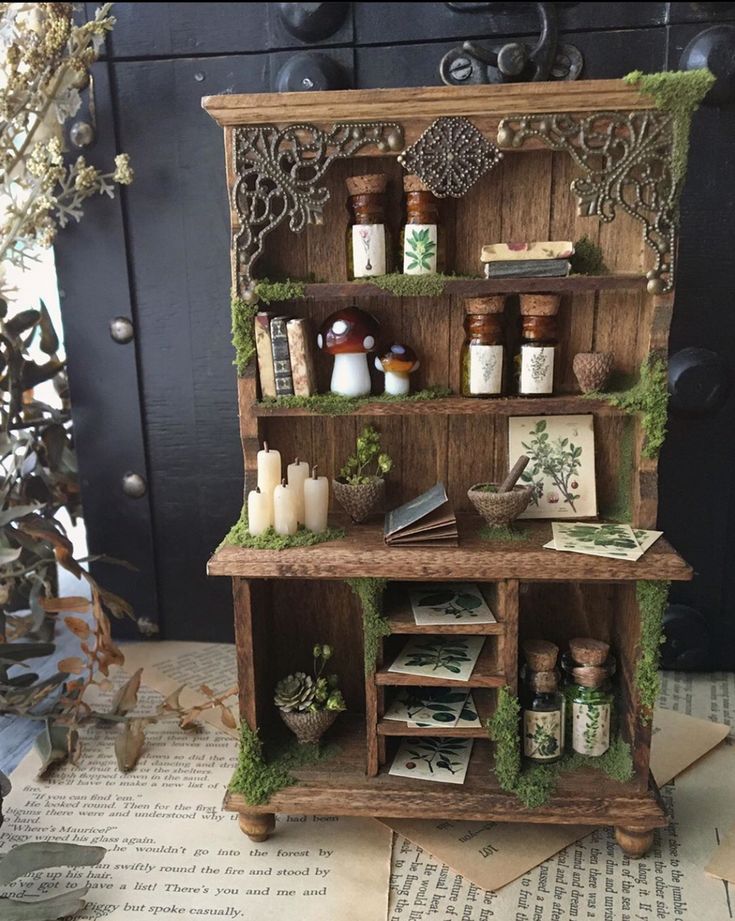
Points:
x=265 y=354
x=281 y=359
x=300 y=346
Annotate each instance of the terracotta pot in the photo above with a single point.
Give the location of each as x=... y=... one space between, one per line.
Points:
x=592 y=370
x=539 y=305
x=309 y=727
x=499 y=508
x=361 y=501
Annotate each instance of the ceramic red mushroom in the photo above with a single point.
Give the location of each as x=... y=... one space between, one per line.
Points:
x=397 y=363
x=349 y=335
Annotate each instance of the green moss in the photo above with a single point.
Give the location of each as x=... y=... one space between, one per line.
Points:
x=621 y=508
x=332 y=404
x=289 y=290
x=504 y=730
x=413 y=285
x=243 y=332
x=652 y=598
x=587 y=258
x=679 y=93
x=502 y=532
x=375 y=625
x=649 y=397
x=238 y=537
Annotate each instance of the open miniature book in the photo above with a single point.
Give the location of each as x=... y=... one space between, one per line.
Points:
x=427 y=520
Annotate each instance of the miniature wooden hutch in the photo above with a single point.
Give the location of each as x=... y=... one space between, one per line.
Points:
x=572 y=153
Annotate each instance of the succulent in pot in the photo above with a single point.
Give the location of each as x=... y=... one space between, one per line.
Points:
x=349 y=335
x=360 y=487
x=397 y=364
x=309 y=704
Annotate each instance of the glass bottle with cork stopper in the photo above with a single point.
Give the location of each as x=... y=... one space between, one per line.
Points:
x=482 y=360
x=422 y=239
x=368 y=241
x=536 y=358
x=589 y=668
x=542 y=704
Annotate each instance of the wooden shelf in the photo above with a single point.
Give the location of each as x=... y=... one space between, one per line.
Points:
x=459 y=406
x=363 y=552
x=476 y=287
x=487 y=673
x=339 y=786
x=485 y=709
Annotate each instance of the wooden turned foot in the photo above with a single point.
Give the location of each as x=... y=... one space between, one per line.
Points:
x=257 y=826
x=635 y=842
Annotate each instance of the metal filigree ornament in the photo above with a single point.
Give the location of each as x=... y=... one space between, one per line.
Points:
x=279 y=175
x=626 y=162
x=450 y=156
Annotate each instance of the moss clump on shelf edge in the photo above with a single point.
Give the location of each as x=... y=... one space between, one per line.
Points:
x=333 y=404
x=413 y=285
x=679 y=93
x=621 y=508
x=649 y=397
x=243 y=332
x=587 y=258
x=375 y=625
x=290 y=289
x=238 y=536
x=502 y=532
x=652 y=598
x=534 y=785
x=257 y=779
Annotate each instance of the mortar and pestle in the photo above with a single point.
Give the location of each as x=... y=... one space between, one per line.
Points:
x=501 y=505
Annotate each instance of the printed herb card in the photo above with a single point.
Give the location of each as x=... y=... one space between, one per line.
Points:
x=450 y=603
x=561 y=468
x=469 y=718
x=427 y=706
x=610 y=540
x=450 y=657
x=645 y=539
x=442 y=760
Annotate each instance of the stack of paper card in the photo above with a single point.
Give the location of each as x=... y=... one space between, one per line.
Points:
x=617 y=541
x=424 y=708
x=442 y=760
x=450 y=603
x=446 y=656
x=426 y=521
x=536 y=259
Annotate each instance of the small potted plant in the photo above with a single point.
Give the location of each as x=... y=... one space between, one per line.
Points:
x=360 y=487
x=309 y=704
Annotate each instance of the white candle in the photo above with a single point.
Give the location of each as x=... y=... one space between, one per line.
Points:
x=298 y=472
x=269 y=475
x=258 y=512
x=316 y=502
x=284 y=509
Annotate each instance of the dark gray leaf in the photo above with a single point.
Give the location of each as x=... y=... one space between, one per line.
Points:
x=42 y=855
x=22 y=321
x=62 y=905
x=54 y=745
x=19 y=652
x=49 y=340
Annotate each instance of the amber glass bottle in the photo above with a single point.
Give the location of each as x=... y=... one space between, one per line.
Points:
x=482 y=361
x=543 y=716
x=368 y=240
x=537 y=356
x=422 y=239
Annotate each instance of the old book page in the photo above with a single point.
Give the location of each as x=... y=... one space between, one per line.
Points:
x=173 y=852
x=722 y=862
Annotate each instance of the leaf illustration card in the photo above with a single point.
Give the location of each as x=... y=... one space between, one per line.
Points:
x=646 y=539
x=435 y=706
x=469 y=718
x=610 y=540
x=442 y=760
x=450 y=602
x=446 y=656
x=561 y=468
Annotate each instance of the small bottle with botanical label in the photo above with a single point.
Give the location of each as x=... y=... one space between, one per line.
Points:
x=589 y=668
x=368 y=240
x=422 y=239
x=482 y=361
x=537 y=355
x=542 y=704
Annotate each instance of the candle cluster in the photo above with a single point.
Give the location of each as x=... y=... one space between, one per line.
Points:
x=286 y=503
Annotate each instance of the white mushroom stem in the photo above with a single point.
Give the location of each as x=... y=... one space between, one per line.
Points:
x=351 y=376
x=397 y=383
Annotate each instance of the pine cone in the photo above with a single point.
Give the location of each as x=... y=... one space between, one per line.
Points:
x=592 y=369
x=295 y=692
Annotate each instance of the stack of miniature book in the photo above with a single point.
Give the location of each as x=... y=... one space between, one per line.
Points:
x=528 y=260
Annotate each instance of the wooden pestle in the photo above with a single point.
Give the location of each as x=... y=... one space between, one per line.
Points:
x=516 y=470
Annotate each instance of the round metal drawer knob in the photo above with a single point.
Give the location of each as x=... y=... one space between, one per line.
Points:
x=699 y=381
x=310 y=70
x=312 y=21
x=134 y=485
x=122 y=330
x=81 y=134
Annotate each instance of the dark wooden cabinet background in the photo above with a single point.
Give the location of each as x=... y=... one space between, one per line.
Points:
x=164 y=405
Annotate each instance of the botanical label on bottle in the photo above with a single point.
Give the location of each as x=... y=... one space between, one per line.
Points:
x=542 y=734
x=419 y=249
x=591 y=728
x=368 y=250
x=537 y=369
x=486 y=368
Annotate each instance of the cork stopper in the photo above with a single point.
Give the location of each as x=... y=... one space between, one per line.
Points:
x=545 y=682
x=372 y=184
x=540 y=655
x=492 y=303
x=586 y=651
x=539 y=305
x=414 y=184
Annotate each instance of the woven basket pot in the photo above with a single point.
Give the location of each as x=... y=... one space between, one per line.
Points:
x=592 y=369
x=309 y=727
x=360 y=501
x=499 y=508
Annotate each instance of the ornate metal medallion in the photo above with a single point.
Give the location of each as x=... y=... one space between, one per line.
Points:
x=279 y=174
x=626 y=162
x=450 y=156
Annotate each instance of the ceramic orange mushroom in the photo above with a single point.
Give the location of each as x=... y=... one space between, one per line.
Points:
x=349 y=335
x=397 y=363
